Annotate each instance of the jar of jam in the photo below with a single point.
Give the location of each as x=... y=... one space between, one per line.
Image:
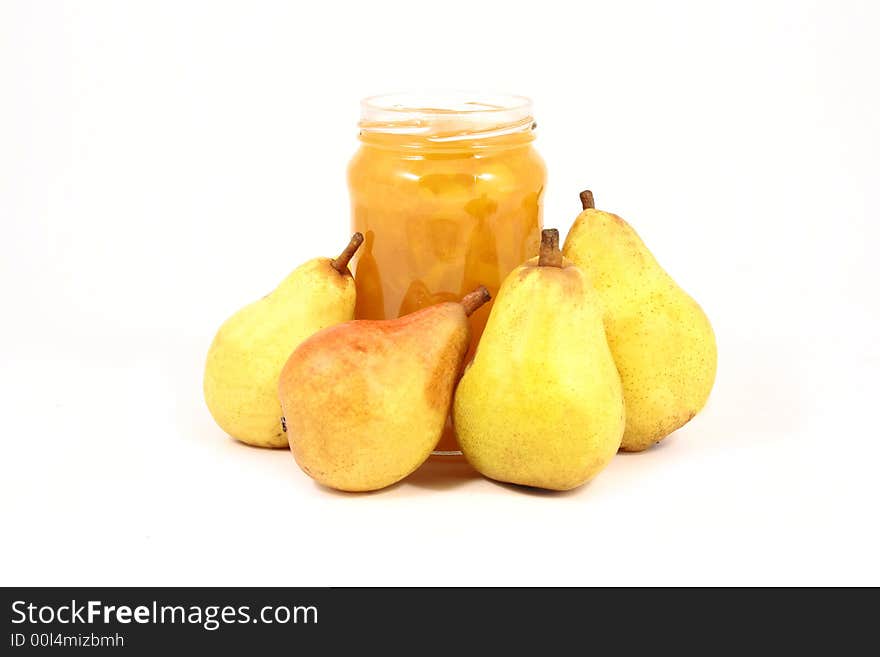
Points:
x=447 y=190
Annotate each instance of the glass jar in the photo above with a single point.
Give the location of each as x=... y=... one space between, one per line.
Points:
x=447 y=191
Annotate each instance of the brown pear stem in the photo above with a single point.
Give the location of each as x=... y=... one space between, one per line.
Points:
x=341 y=263
x=473 y=300
x=587 y=200
x=550 y=255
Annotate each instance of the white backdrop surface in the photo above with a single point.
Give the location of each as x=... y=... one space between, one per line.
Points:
x=163 y=163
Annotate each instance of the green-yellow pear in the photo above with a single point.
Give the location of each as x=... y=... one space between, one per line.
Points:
x=251 y=347
x=661 y=340
x=365 y=402
x=541 y=404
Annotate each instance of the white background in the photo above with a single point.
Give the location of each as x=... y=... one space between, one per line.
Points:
x=164 y=163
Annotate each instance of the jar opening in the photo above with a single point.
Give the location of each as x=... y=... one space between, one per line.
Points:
x=446 y=116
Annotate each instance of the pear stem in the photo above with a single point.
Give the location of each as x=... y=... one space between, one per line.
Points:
x=473 y=300
x=587 y=200
x=550 y=255
x=341 y=263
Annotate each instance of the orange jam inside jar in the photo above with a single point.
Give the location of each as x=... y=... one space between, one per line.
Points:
x=447 y=191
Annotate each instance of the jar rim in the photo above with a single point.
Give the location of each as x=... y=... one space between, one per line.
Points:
x=446 y=115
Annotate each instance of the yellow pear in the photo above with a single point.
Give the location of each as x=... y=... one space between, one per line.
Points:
x=661 y=340
x=251 y=347
x=541 y=404
x=365 y=402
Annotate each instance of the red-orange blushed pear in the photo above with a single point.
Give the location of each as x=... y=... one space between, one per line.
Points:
x=365 y=402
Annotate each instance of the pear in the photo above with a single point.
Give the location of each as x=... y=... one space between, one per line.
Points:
x=541 y=404
x=661 y=339
x=251 y=347
x=365 y=402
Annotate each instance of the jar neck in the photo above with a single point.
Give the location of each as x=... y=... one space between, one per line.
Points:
x=446 y=123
